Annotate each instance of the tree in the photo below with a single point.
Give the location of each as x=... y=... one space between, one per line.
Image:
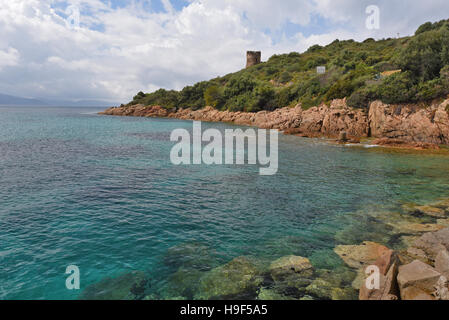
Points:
x=212 y=96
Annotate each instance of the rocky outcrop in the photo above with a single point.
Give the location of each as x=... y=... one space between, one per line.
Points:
x=432 y=243
x=410 y=123
x=417 y=281
x=387 y=264
x=418 y=268
x=393 y=125
x=359 y=256
x=442 y=263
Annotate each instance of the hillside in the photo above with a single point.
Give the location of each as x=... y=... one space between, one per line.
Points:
x=362 y=72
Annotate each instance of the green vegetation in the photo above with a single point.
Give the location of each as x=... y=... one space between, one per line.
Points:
x=353 y=70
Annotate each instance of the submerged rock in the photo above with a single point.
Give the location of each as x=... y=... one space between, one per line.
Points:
x=291 y=275
x=129 y=286
x=424 y=210
x=415 y=228
x=442 y=204
x=290 y=265
x=408 y=241
x=190 y=255
x=321 y=289
x=338 y=277
x=266 y=294
x=358 y=256
x=238 y=279
x=184 y=283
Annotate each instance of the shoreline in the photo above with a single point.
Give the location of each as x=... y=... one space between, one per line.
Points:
x=387 y=126
x=415 y=267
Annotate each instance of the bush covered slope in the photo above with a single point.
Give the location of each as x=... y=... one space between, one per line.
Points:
x=353 y=70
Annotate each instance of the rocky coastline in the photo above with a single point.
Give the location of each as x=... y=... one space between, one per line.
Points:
x=409 y=247
x=400 y=126
x=412 y=259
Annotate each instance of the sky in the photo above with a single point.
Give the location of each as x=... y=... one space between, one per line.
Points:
x=115 y=48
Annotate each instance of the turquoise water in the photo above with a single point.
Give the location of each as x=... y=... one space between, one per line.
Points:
x=100 y=192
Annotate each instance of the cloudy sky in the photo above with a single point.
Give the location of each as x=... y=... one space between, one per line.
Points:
x=122 y=47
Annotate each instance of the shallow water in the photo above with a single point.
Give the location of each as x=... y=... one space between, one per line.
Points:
x=100 y=192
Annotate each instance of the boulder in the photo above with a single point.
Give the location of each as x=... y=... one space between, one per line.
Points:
x=442 y=289
x=432 y=243
x=413 y=293
x=418 y=254
x=388 y=264
x=359 y=256
x=417 y=280
x=291 y=275
x=321 y=289
x=288 y=265
x=238 y=279
x=442 y=263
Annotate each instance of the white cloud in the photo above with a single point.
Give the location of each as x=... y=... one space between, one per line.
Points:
x=120 y=51
x=9 y=58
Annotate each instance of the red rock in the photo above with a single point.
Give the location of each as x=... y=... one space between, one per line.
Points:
x=442 y=263
x=406 y=126
x=417 y=277
x=388 y=264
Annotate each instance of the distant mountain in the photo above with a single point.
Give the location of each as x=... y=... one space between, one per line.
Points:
x=7 y=100
x=17 y=101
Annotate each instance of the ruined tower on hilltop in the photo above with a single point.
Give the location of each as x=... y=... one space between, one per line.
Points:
x=253 y=58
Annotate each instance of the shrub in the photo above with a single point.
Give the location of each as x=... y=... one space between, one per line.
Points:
x=285 y=77
x=426 y=54
x=341 y=89
x=424 y=28
x=430 y=90
x=362 y=98
x=213 y=96
x=283 y=97
x=397 y=88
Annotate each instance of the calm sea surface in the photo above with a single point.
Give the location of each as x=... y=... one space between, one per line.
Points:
x=101 y=193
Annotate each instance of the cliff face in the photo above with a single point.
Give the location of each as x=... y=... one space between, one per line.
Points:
x=407 y=123
x=410 y=123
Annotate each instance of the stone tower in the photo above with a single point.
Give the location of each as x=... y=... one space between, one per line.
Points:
x=253 y=58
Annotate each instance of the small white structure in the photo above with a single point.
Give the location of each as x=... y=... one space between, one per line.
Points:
x=321 y=70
